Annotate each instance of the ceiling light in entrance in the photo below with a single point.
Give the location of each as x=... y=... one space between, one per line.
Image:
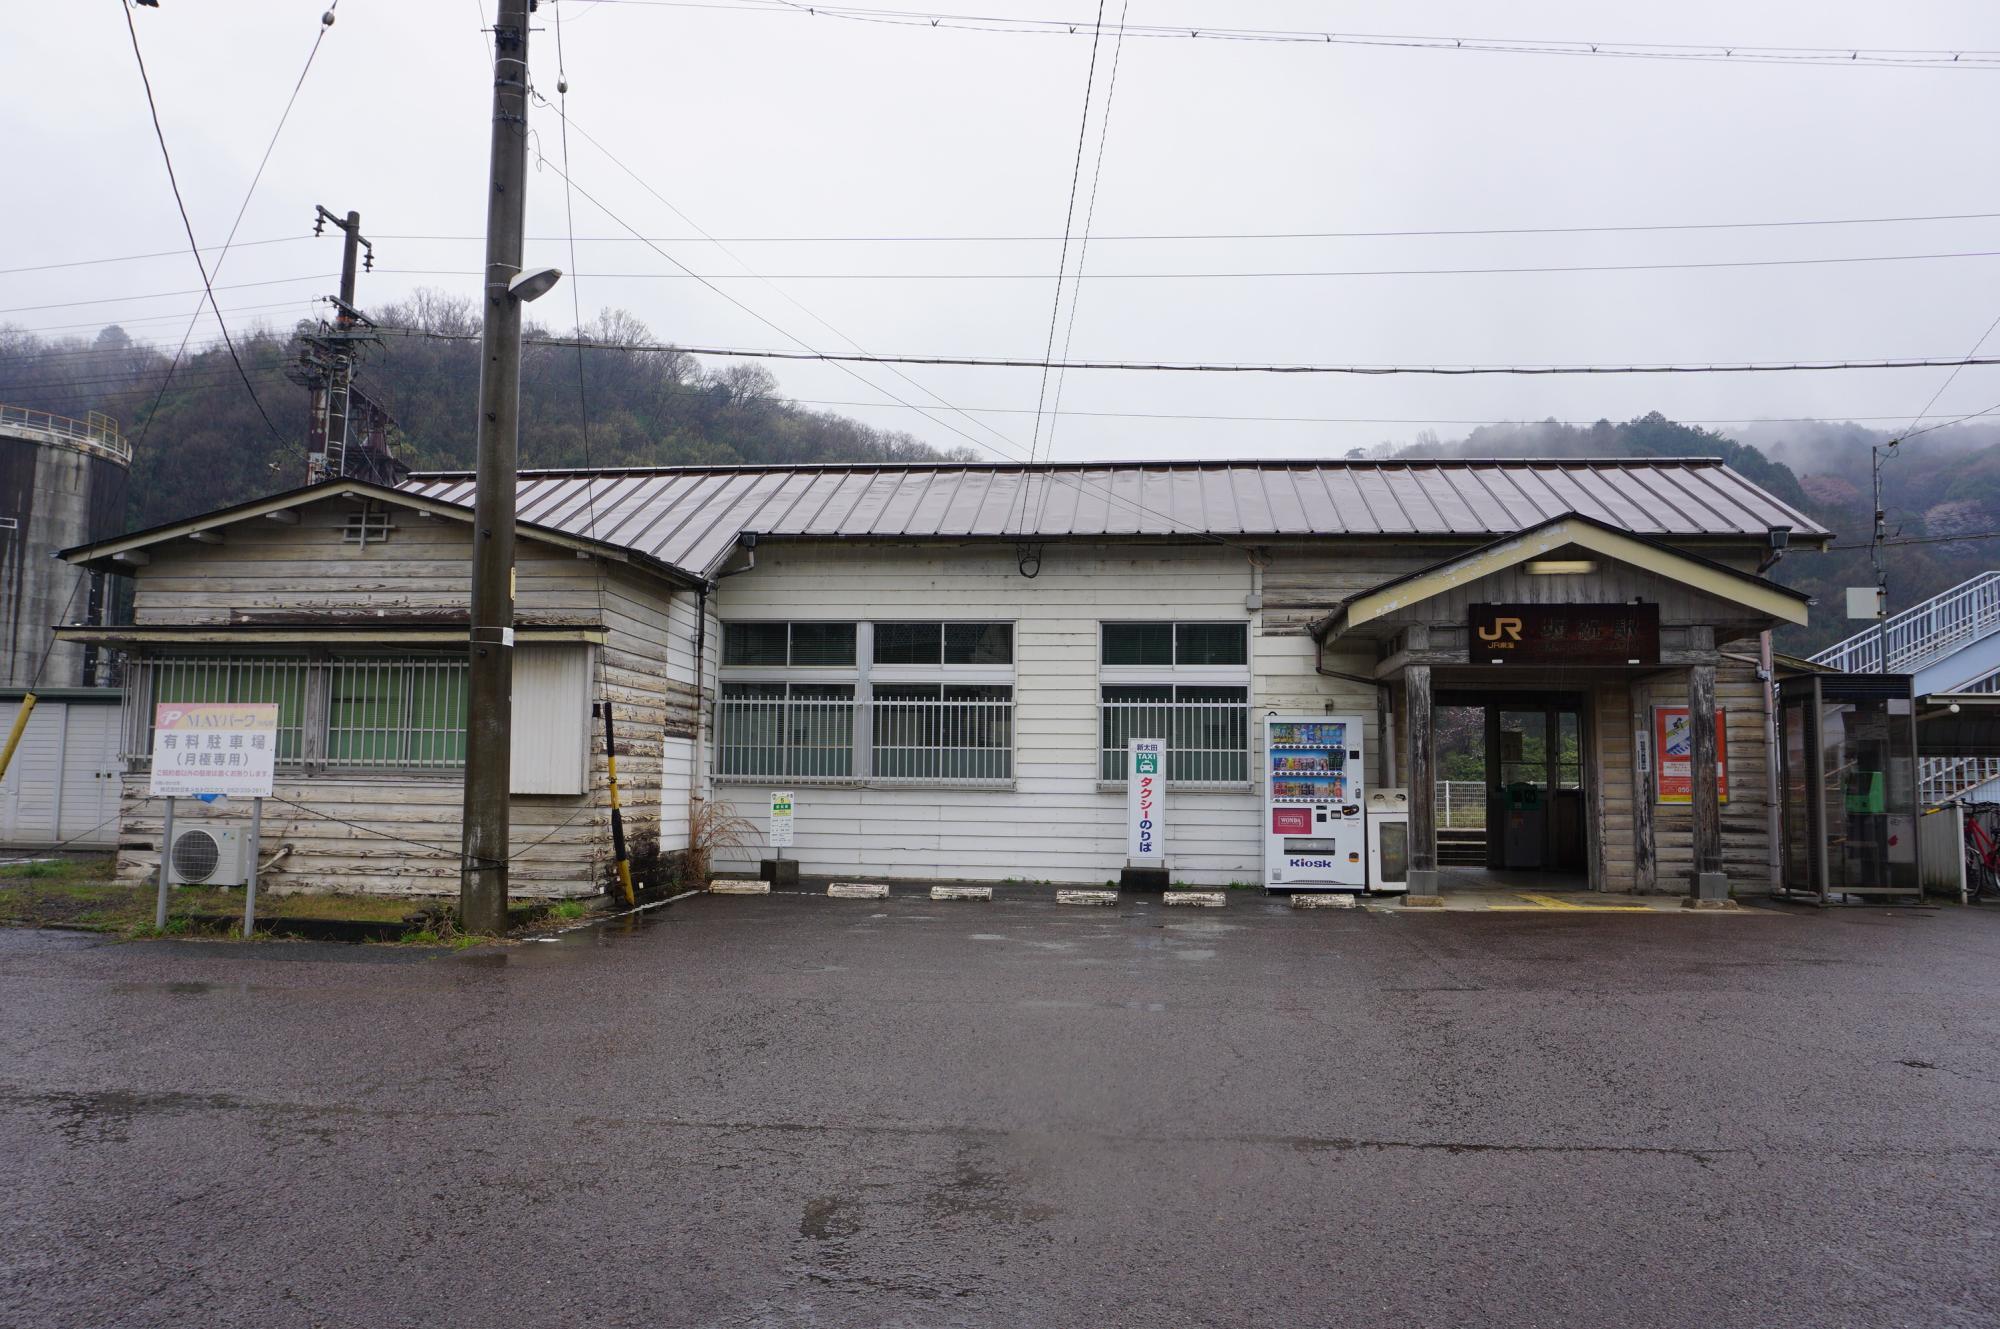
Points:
x=1560 y=567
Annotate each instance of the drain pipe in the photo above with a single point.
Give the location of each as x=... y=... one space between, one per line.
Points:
x=1769 y=675
x=1385 y=709
x=747 y=542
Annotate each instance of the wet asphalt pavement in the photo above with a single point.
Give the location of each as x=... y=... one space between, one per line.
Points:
x=794 y=1111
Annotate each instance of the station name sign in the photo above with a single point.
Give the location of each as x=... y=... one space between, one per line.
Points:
x=1583 y=634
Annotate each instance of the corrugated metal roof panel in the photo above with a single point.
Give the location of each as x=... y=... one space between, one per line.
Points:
x=691 y=517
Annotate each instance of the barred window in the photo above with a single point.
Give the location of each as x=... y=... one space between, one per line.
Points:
x=351 y=712
x=929 y=701
x=1187 y=684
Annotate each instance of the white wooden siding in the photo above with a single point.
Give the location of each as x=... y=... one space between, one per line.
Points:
x=399 y=834
x=63 y=782
x=1056 y=822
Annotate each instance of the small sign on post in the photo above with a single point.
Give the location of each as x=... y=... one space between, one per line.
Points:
x=781 y=820
x=1145 y=800
x=214 y=749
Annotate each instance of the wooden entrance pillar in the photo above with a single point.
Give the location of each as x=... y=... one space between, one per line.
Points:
x=1420 y=735
x=1707 y=880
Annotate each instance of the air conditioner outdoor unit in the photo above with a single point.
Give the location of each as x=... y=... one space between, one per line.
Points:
x=201 y=856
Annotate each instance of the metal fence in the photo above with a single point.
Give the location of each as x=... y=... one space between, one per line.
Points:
x=1923 y=632
x=820 y=740
x=1208 y=742
x=1461 y=804
x=402 y=713
x=1943 y=778
x=98 y=433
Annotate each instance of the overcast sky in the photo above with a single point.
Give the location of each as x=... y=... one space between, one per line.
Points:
x=757 y=123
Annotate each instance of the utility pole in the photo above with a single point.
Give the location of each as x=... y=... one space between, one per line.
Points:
x=1877 y=455
x=348 y=434
x=482 y=890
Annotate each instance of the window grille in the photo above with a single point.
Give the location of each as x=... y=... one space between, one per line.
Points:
x=369 y=526
x=403 y=713
x=1207 y=731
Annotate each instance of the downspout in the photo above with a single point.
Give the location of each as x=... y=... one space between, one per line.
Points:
x=1385 y=709
x=747 y=541
x=1769 y=675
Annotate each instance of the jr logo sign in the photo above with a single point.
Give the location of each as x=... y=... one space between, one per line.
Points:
x=1500 y=630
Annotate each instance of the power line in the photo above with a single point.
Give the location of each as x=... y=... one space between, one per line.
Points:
x=783 y=332
x=206 y=288
x=1686 y=52
x=785 y=295
x=1062 y=260
x=1083 y=252
x=194 y=245
x=841 y=361
x=256 y=177
x=157 y=253
x=1923 y=540
x=1186 y=367
x=1286 y=275
x=1123 y=238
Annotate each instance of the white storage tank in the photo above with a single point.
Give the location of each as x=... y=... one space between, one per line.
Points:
x=62 y=483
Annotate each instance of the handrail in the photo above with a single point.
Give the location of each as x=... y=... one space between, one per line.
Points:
x=98 y=434
x=1923 y=633
x=1947 y=779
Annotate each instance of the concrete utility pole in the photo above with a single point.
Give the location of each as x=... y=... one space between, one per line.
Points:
x=482 y=891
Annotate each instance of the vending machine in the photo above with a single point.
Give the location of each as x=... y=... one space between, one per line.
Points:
x=1313 y=796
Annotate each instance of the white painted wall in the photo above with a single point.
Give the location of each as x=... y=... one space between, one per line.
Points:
x=1056 y=823
x=63 y=782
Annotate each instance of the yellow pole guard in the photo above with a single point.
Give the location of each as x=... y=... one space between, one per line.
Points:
x=21 y=727
x=618 y=838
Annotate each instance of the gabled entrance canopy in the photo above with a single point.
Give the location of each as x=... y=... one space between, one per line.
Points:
x=1570 y=538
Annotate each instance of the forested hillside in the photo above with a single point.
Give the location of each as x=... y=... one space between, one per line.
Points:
x=205 y=443
x=1939 y=484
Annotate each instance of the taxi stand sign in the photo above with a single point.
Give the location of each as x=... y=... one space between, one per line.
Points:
x=207 y=750
x=1145 y=800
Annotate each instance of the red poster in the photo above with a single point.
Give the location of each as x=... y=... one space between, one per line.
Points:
x=1673 y=742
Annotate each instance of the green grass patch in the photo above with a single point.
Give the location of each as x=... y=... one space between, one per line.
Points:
x=81 y=891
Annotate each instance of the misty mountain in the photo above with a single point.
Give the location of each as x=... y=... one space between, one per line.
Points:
x=1939 y=484
x=202 y=441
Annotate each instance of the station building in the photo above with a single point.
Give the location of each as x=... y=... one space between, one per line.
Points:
x=943 y=662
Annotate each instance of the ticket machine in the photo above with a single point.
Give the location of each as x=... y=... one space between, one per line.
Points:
x=1313 y=798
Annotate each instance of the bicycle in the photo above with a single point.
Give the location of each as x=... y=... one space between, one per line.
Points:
x=1982 y=862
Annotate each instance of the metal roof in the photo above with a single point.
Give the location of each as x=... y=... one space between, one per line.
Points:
x=691 y=516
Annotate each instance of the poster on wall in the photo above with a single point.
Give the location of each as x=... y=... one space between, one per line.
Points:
x=1673 y=746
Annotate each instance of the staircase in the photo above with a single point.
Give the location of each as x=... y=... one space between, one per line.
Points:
x=1949 y=643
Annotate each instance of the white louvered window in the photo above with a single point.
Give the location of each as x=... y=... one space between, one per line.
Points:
x=920 y=702
x=1186 y=683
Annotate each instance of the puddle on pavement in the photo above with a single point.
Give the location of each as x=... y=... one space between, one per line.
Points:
x=179 y=989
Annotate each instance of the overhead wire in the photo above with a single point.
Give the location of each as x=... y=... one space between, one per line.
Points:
x=788 y=298
x=1708 y=52
x=1083 y=249
x=1285 y=274
x=1201 y=367
x=1062 y=261
x=180 y=205
x=582 y=388
x=1123 y=238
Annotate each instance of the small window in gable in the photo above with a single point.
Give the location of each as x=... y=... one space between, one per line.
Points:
x=367 y=526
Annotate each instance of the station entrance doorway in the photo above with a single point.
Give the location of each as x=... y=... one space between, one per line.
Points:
x=1510 y=799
